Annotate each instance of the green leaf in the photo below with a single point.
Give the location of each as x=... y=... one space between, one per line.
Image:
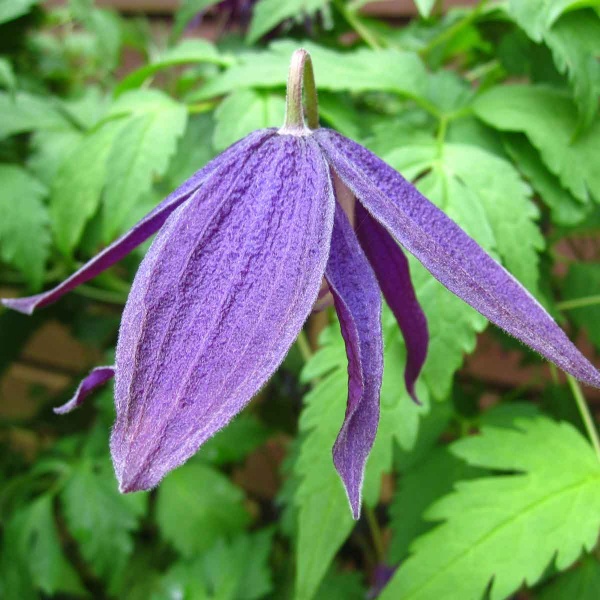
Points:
x=343 y=585
x=425 y=7
x=24 y=225
x=106 y=27
x=506 y=201
x=575 y=44
x=196 y=505
x=267 y=14
x=582 y=583
x=101 y=519
x=141 y=152
x=24 y=112
x=244 y=111
x=485 y=195
x=31 y=539
x=7 y=76
x=509 y=526
x=187 y=12
x=583 y=280
x=565 y=209
x=358 y=70
x=194 y=150
x=236 y=570
x=419 y=487
x=537 y=16
x=78 y=185
x=13 y=9
x=324 y=519
x=49 y=151
x=187 y=52
x=549 y=119
x=233 y=443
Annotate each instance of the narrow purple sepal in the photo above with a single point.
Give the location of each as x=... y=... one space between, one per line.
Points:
x=451 y=256
x=393 y=274
x=357 y=302
x=97 y=377
x=216 y=304
x=139 y=233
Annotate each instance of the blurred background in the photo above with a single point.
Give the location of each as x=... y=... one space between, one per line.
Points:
x=107 y=106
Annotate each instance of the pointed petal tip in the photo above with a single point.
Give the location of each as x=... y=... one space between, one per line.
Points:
x=133 y=479
x=25 y=306
x=95 y=378
x=351 y=480
x=413 y=394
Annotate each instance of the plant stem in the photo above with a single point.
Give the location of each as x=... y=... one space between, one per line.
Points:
x=449 y=33
x=304 y=346
x=586 y=416
x=301 y=79
x=87 y=291
x=579 y=302
x=375 y=533
x=354 y=22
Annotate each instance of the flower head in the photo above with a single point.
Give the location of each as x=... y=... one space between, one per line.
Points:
x=242 y=250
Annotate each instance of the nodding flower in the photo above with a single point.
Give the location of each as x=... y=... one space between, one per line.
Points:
x=246 y=249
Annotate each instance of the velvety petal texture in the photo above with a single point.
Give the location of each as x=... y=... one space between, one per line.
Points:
x=451 y=256
x=220 y=297
x=140 y=232
x=393 y=274
x=97 y=377
x=358 y=304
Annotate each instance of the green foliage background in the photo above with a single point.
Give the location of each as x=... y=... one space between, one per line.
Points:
x=493 y=111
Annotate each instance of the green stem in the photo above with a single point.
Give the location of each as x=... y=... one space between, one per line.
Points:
x=579 y=302
x=301 y=79
x=354 y=21
x=375 y=533
x=304 y=346
x=586 y=416
x=441 y=134
x=449 y=33
x=201 y=107
x=93 y=293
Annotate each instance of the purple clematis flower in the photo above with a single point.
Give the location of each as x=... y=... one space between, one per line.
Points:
x=238 y=265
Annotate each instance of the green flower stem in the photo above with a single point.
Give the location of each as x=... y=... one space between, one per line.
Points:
x=579 y=302
x=301 y=79
x=94 y=293
x=201 y=107
x=354 y=21
x=449 y=33
x=375 y=533
x=304 y=346
x=586 y=416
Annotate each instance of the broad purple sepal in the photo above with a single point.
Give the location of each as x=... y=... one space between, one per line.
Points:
x=451 y=256
x=97 y=377
x=139 y=233
x=358 y=304
x=217 y=302
x=393 y=274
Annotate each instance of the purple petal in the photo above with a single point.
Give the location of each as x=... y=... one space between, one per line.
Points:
x=357 y=302
x=139 y=233
x=97 y=377
x=216 y=304
x=451 y=256
x=393 y=274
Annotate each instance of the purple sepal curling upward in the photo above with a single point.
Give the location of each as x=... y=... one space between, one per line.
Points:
x=243 y=250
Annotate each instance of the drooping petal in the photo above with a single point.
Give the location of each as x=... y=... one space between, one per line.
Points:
x=358 y=304
x=451 y=256
x=220 y=297
x=140 y=232
x=96 y=377
x=393 y=274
